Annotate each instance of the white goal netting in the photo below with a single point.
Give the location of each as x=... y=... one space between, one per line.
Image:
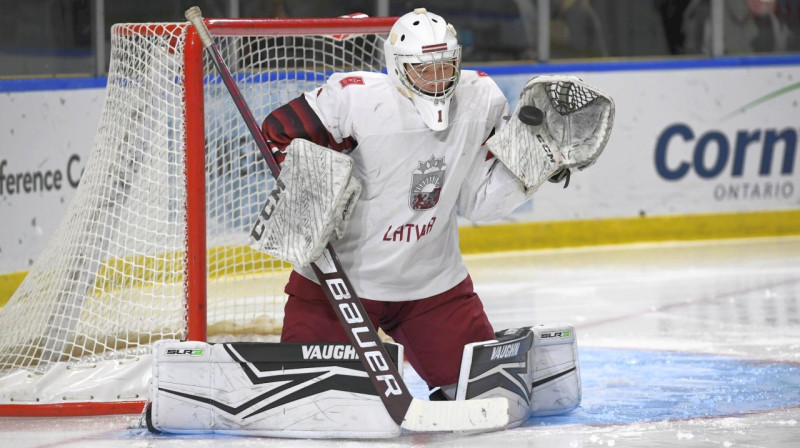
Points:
x=113 y=279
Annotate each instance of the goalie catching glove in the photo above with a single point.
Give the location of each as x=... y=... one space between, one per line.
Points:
x=574 y=129
x=313 y=198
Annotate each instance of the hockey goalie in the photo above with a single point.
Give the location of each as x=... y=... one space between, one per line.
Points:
x=379 y=165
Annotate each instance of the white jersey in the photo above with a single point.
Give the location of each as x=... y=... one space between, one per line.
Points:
x=402 y=239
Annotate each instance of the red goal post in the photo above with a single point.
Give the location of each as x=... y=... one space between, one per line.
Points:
x=154 y=244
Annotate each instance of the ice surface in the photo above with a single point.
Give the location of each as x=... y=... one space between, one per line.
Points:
x=681 y=344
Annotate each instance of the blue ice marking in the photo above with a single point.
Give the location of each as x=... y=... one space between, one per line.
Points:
x=629 y=386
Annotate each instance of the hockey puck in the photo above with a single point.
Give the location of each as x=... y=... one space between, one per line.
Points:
x=531 y=115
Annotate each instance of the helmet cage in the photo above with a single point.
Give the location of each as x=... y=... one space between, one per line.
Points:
x=429 y=75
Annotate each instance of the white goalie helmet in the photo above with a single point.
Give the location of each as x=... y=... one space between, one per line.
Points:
x=423 y=58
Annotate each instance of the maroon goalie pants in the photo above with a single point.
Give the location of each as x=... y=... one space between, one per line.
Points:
x=433 y=330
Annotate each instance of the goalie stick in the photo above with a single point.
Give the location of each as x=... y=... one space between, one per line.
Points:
x=407 y=411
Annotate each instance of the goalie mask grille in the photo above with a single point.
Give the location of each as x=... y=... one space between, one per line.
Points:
x=567 y=97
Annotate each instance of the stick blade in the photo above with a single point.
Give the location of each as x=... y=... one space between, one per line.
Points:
x=455 y=416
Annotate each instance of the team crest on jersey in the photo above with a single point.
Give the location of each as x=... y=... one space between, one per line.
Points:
x=426 y=184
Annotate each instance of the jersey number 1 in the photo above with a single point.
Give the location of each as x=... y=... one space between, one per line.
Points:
x=440 y=116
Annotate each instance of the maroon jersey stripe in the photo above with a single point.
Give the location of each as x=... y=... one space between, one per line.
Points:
x=346 y=146
x=312 y=126
x=296 y=119
x=273 y=131
x=489 y=154
x=318 y=132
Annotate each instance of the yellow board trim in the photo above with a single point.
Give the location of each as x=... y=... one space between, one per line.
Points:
x=552 y=234
x=9 y=283
x=558 y=234
x=145 y=270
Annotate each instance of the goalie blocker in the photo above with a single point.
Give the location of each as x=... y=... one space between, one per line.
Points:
x=311 y=203
x=320 y=390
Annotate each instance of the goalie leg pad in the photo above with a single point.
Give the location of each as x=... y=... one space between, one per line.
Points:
x=499 y=368
x=535 y=368
x=312 y=201
x=302 y=390
x=555 y=372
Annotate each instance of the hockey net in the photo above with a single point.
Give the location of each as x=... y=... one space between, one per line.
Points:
x=154 y=243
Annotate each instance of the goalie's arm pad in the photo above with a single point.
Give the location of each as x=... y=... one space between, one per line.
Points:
x=575 y=127
x=312 y=201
